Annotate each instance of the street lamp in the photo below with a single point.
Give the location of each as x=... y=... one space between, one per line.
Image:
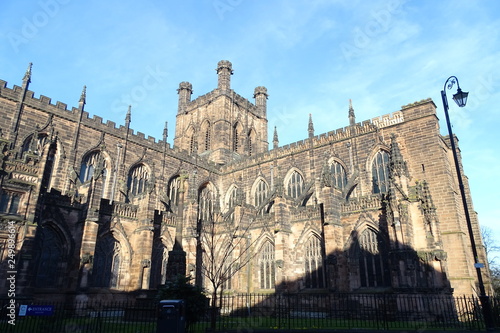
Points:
x=461 y=99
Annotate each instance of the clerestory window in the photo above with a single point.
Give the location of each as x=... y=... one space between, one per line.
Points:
x=380 y=172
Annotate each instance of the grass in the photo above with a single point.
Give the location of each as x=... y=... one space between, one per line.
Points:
x=116 y=325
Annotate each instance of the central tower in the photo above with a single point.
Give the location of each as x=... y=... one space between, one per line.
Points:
x=221 y=125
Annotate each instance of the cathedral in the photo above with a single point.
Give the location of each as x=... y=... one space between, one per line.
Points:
x=91 y=208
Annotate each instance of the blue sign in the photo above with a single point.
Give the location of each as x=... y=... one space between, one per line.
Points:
x=36 y=310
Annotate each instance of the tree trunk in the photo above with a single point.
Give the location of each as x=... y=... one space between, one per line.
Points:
x=213 y=314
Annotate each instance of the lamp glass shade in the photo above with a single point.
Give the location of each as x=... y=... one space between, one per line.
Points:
x=460 y=98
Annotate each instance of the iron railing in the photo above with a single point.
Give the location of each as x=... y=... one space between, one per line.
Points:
x=264 y=311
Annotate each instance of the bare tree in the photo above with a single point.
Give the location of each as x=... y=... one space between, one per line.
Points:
x=492 y=250
x=490 y=245
x=226 y=247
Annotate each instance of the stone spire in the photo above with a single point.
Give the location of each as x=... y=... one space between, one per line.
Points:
x=352 y=116
x=310 y=127
x=128 y=116
x=275 y=138
x=27 y=75
x=224 y=70
x=83 y=98
x=397 y=165
x=165 y=132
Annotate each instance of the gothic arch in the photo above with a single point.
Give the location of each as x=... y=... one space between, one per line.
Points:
x=205 y=135
x=207 y=200
x=54 y=252
x=162 y=245
x=380 y=183
x=37 y=147
x=306 y=233
x=313 y=260
x=230 y=198
x=265 y=236
x=237 y=137
x=252 y=142
x=191 y=139
x=171 y=197
x=364 y=222
x=92 y=158
x=140 y=179
x=261 y=195
x=266 y=261
x=112 y=259
x=294 y=183
x=367 y=251
x=338 y=172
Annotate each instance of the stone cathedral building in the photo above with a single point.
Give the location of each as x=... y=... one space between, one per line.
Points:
x=91 y=208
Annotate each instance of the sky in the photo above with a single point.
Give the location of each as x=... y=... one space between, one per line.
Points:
x=312 y=56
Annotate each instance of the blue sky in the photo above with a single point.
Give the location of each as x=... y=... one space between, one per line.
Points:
x=313 y=56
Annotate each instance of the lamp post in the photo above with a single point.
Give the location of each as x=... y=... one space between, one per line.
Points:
x=461 y=99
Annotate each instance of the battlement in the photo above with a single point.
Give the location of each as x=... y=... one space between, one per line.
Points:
x=212 y=95
x=408 y=112
x=387 y=120
x=303 y=145
x=60 y=109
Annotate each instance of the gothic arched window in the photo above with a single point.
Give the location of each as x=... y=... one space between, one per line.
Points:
x=205 y=204
x=174 y=187
x=9 y=202
x=34 y=146
x=107 y=261
x=231 y=197
x=380 y=172
x=369 y=253
x=315 y=277
x=235 y=138
x=207 y=133
x=261 y=192
x=159 y=260
x=49 y=166
x=339 y=176
x=50 y=261
x=90 y=163
x=250 y=142
x=138 y=179
x=295 y=185
x=192 y=144
x=267 y=266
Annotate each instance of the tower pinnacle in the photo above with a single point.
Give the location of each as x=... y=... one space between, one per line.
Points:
x=310 y=127
x=128 y=116
x=260 y=95
x=224 y=70
x=185 y=90
x=83 y=98
x=27 y=75
x=165 y=132
x=352 y=116
x=275 y=138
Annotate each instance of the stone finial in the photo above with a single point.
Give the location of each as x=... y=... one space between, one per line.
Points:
x=397 y=165
x=165 y=132
x=310 y=127
x=352 y=116
x=128 y=117
x=275 y=138
x=27 y=75
x=83 y=98
x=224 y=70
